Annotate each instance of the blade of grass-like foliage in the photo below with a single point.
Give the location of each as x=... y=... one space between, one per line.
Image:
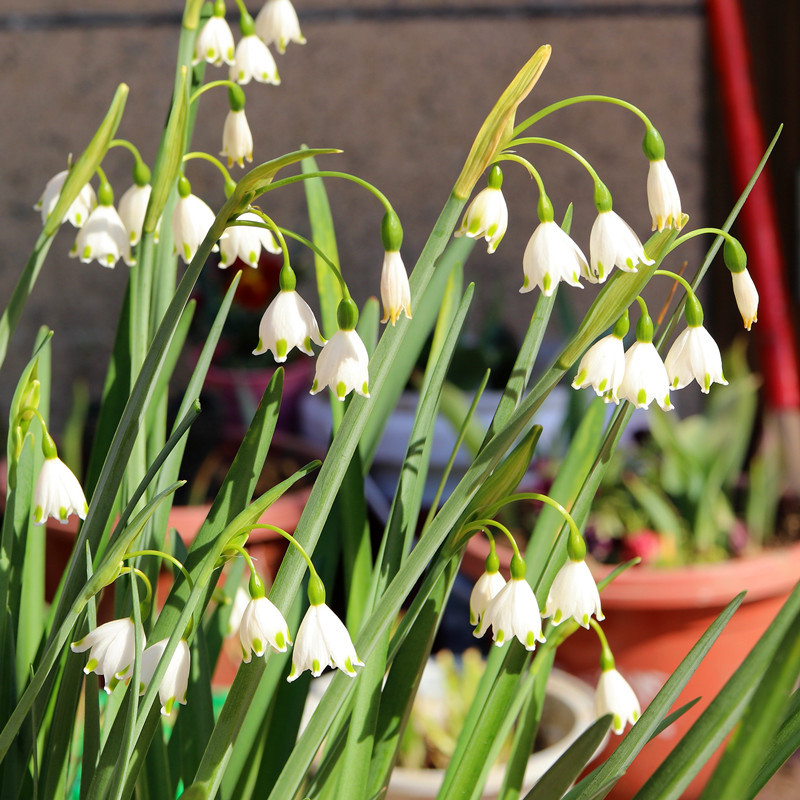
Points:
x=91 y=705
x=782 y=746
x=600 y=780
x=557 y=779
x=762 y=719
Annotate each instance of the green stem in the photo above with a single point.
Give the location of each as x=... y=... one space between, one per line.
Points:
x=583 y=98
x=139 y=574
x=544 y=499
x=606 y=656
x=313 y=247
x=559 y=146
x=212 y=85
x=481 y=524
x=270 y=225
x=534 y=173
x=669 y=274
x=713 y=231
x=332 y=174
x=289 y=538
x=215 y=161
x=167 y=557
x=129 y=146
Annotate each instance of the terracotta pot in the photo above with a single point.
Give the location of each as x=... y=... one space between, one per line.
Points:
x=654 y=616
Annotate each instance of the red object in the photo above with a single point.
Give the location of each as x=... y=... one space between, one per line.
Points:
x=758 y=218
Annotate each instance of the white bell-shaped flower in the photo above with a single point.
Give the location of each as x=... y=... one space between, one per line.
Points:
x=323 y=641
x=277 y=24
x=132 y=209
x=262 y=624
x=550 y=257
x=103 y=238
x=245 y=242
x=81 y=206
x=172 y=688
x=253 y=61
x=112 y=649
x=613 y=242
x=645 y=377
x=214 y=42
x=662 y=197
x=343 y=365
x=395 y=291
x=486 y=216
x=603 y=368
x=694 y=356
x=513 y=611
x=237 y=140
x=57 y=493
x=288 y=322
x=614 y=696
x=573 y=593
x=191 y=220
x=746 y=295
x=241 y=600
x=486 y=588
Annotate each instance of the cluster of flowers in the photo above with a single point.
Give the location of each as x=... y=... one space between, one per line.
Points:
x=322 y=641
x=510 y=609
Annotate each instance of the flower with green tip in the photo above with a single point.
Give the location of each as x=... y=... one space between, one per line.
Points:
x=694 y=356
x=253 y=61
x=614 y=696
x=112 y=648
x=746 y=294
x=486 y=216
x=662 y=197
x=245 y=242
x=288 y=322
x=323 y=641
x=645 y=377
x=603 y=368
x=395 y=291
x=132 y=208
x=58 y=493
x=486 y=588
x=277 y=24
x=513 y=611
x=262 y=624
x=103 y=238
x=573 y=593
x=613 y=242
x=551 y=257
x=343 y=365
x=172 y=688
x=214 y=42
x=237 y=140
x=81 y=207
x=191 y=220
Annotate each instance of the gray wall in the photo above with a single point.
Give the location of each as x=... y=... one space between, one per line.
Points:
x=400 y=87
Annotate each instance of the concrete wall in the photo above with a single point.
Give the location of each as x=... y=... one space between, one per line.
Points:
x=400 y=87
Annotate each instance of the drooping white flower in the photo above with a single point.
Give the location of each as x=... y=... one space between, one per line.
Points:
x=103 y=238
x=245 y=242
x=603 y=368
x=277 y=24
x=483 y=592
x=694 y=356
x=573 y=593
x=746 y=295
x=81 y=206
x=214 y=42
x=645 y=377
x=487 y=216
x=323 y=641
x=112 y=649
x=343 y=365
x=262 y=624
x=253 y=61
x=57 y=494
x=662 y=197
x=288 y=322
x=132 y=209
x=241 y=599
x=613 y=243
x=513 y=611
x=395 y=291
x=614 y=696
x=550 y=257
x=191 y=220
x=172 y=688
x=237 y=140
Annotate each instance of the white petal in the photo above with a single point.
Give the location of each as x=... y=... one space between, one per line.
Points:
x=615 y=696
x=57 y=494
x=395 y=291
x=253 y=61
x=343 y=365
x=574 y=594
x=603 y=368
x=487 y=216
x=662 y=197
x=287 y=323
x=551 y=257
x=277 y=23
